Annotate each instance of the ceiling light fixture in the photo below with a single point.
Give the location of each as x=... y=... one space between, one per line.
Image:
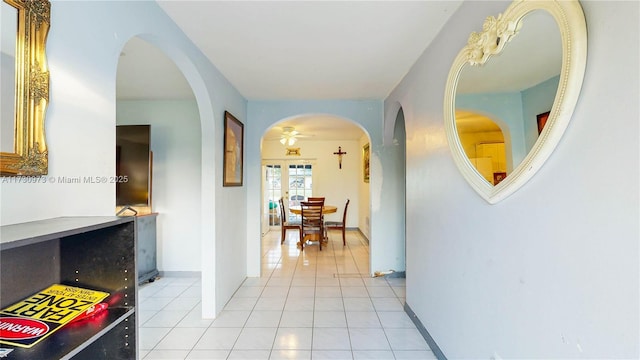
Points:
x=288 y=137
x=288 y=141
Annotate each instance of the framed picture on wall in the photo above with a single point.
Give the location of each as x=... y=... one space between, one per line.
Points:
x=293 y=152
x=233 y=151
x=365 y=162
x=498 y=177
x=542 y=121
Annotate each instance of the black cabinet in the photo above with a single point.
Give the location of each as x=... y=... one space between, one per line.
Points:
x=147 y=255
x=90 y=252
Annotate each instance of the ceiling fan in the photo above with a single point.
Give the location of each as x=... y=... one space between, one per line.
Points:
x=290 y=135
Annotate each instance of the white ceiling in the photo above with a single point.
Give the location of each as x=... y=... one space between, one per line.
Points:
x=317 y=128
x=289 y=50
x=311 y=49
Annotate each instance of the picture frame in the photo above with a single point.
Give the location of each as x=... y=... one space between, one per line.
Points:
x=542 y=121
x=498 y=177
x=293 y=152
x=365 y=162
x=233 y=164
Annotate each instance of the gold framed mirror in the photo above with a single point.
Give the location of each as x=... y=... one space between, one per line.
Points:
x=26 y=152
x=511 y=92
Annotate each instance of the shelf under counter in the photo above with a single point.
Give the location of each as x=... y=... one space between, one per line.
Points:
x=96 y=253
x=82 y=340
x=22 y=234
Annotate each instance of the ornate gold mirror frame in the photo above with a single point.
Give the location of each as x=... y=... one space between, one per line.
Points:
x=32 y=91
x=494 y=38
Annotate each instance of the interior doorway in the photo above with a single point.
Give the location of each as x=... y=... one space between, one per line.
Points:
x=145 y=97
x=400 y=141
x=310 y=166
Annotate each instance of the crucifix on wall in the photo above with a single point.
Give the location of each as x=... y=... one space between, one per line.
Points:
x=340 y=153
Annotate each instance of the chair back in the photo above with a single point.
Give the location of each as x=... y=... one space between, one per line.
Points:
x=316 y=199
x=283 y=212
x=311 y=216
x=344 y=215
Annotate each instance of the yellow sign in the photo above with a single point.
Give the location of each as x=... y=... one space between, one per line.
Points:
x=27 y=322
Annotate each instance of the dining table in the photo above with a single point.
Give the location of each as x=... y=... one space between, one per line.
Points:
x=326 y=209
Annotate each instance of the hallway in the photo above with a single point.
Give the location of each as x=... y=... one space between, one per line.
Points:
x=320 y=305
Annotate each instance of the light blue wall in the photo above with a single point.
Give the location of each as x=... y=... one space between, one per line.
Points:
x=506 y=110
x=83 y=50
x=536 y=100
x=552 y=271
x=385 y=252
x=515 y=112
x=395 y=191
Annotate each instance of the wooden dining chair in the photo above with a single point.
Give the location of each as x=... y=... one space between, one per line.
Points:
x=285 y=224
x=319 y=199
x=339 y=224
x=312 y=223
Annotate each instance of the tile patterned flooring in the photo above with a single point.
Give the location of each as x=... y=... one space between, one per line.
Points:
x=314 y=305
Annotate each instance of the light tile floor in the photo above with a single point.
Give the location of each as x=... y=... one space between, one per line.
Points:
x=314 y=305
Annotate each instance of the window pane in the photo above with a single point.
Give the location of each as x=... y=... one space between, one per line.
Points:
x=273 y=177
x=300 y=185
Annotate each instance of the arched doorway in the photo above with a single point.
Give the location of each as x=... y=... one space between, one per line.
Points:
x=337 y=178
x=400 y=171
x=164 y=100
x=393 y=188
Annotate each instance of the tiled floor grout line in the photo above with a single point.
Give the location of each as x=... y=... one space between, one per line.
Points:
x=344 y=305
x=315 y=285
x=163 y=307
x=283 y=268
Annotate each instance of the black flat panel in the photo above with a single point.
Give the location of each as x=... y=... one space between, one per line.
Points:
x=117 y=344
x=133 y=161
x=39 y=263
x=103 y=260
x=17 y=235
x=146 y=228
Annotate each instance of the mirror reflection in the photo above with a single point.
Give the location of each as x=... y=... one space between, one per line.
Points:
x=498 y=104
x=8 y=36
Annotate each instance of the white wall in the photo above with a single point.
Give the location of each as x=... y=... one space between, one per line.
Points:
x=336 y=185
x=7 y=100
x=175 y=143
x=552 y=271
x=83 y=49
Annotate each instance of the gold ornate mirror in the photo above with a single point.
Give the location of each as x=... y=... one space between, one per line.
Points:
x=25 y=87
x=511 y=93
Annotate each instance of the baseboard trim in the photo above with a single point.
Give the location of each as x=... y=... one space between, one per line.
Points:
x=397 y=274
x=425 y=334
x=363 y=235
x=182 y=274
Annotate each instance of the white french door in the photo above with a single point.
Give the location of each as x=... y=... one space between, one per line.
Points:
x=292 y=180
